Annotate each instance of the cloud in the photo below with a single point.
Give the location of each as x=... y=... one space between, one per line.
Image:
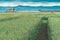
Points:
x=8 y=4
x=12 y=4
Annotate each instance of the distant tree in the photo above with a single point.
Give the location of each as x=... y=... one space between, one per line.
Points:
x=39 y=10
x=10 y=9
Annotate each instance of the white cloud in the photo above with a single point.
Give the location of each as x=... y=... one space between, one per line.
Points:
x=8 y=4
x=30 y=3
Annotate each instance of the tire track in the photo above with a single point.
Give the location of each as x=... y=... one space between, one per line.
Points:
x=7 y=19
x=43 y=32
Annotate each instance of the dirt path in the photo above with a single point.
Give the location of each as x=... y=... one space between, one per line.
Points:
x=43 y=34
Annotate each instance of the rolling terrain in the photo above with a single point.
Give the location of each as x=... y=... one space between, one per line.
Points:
x=26 y=25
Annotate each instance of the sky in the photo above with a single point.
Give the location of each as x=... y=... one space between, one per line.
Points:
x=30 y=4
x=34 y=0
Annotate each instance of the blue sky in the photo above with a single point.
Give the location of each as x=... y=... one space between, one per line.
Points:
x=30 y=4
x=35 y=4
x=34 y=0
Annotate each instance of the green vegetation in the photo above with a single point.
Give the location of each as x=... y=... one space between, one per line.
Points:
x=25 y=26
x=54 y=26
x=18 y=26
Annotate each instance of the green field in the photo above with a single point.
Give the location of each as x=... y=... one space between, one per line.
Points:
x=24 y=26
x=54 y=26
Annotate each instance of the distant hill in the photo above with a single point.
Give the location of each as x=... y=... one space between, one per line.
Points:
x=30 y=8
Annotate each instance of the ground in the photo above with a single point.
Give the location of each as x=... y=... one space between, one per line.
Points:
x=25 y=25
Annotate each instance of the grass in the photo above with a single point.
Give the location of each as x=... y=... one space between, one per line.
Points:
x=54 y=24
x=24 y=25
x=18 y=27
